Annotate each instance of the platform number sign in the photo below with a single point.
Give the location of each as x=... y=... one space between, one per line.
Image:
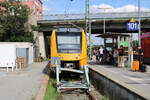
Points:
x=132 y=26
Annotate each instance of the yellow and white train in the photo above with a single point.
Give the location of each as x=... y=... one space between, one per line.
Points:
x=70 y=45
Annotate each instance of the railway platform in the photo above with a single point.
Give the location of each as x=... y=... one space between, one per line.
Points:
x=133 y=83
x=22 y=84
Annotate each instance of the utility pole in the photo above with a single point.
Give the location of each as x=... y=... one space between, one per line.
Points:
x=87 y=12
x=104 y=23
x=104 y=28
x=88 y=25
x=139 y=25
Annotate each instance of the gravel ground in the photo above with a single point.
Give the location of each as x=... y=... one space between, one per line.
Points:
x=73 y=95
x=80 y=95
x=21 y=84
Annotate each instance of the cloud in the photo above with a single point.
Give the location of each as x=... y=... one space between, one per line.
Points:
x=109 y=8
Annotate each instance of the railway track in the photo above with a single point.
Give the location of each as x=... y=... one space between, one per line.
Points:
x=77 y=95
x=91 y=96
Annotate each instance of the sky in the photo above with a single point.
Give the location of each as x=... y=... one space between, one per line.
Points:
x=78 y=6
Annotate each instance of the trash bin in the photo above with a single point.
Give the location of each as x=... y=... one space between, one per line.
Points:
x=143 y=68
x=135 y=65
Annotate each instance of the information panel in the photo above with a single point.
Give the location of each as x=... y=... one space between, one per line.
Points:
x=132 y=26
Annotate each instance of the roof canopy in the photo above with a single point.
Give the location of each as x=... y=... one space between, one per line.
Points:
x=112 y=35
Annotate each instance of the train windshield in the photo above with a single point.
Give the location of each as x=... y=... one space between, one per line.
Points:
x=69 y=42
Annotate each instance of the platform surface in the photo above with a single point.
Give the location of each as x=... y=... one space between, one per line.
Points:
x=137 y=82
x=21 y=84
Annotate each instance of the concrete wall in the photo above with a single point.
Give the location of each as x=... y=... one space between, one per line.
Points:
x=42 y=44
x=38 y=37
x=111 y=89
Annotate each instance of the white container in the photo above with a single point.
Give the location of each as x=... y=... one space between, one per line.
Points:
x=18 y=45
x=7 y=55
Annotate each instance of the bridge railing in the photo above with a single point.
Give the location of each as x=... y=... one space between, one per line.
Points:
x=113 y=15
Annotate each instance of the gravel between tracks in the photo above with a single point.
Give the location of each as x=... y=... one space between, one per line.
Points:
x=80 y=95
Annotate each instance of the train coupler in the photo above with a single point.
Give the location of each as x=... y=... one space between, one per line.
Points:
x=82 y=84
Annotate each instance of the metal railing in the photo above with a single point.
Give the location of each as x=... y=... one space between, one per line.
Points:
x=112 y=15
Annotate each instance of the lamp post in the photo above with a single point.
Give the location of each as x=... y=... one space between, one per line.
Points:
x=139 y=21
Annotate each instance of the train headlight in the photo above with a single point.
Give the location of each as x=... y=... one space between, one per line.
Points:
x=69 y=65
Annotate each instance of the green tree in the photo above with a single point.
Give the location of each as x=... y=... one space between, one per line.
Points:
x=13 y=22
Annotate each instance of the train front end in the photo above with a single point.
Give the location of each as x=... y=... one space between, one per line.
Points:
x=70 y=46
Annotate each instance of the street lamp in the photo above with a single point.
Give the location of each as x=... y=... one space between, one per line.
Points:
x=139 y=25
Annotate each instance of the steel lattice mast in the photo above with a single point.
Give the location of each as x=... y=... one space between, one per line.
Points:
x=88 y=24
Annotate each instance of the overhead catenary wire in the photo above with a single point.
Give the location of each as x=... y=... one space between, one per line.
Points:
x=68 y=8
x=66 y=12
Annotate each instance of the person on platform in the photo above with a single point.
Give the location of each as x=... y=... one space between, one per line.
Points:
x=101 y=54
x=97 y=55
x=105 y=52
x=115 y=56
x=94 y=54
x=140 y=54
x=41 y=58
x=121 y=56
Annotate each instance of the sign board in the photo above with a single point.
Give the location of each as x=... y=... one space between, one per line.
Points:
x=124 y=43
x=132 y=25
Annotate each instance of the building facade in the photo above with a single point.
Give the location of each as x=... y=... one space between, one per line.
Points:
x=35 y=13
x=34 y=5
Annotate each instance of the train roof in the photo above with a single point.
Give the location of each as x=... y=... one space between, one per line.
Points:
x=112 y=35
x=68 y=30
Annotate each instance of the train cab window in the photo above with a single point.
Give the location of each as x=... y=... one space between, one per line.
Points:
x=69 y=42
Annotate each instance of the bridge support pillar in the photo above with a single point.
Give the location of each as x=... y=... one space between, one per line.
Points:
x=41 y=44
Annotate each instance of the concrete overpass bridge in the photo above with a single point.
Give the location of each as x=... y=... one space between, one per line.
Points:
x=115 y=22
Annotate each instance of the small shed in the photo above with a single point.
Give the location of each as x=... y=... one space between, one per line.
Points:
x=119 y=39
x=21 y=49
